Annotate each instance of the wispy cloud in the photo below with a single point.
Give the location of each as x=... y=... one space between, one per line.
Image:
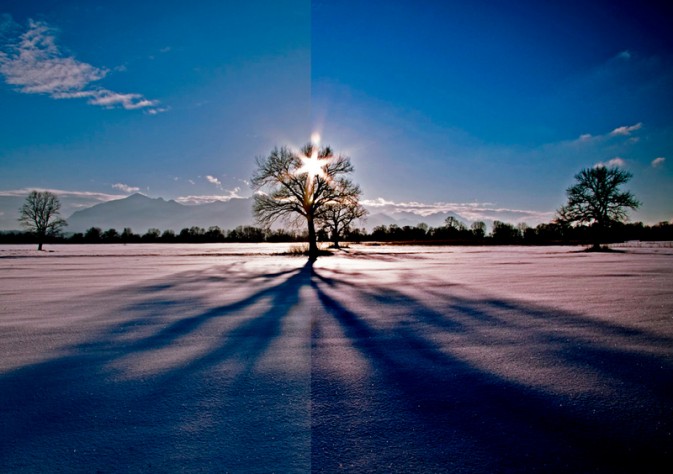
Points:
x=615 y=162
x=103 y=197
x=658 y=162
x=623 y=131
x=71 y=201
x=35 y=64
x=213 y=180
x=126 y=188
x=205 y=199
x=626 y=130
x=471 y=211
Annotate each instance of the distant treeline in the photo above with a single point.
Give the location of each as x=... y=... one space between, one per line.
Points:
x=454 y=233
x=95 y=235
x=507 y=234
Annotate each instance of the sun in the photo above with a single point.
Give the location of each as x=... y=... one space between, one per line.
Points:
x=312 y=165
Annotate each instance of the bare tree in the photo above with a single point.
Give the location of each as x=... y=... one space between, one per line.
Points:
x=40 y=215
x=337 y=217
x=478 y=229
x=597 y=200
x=452 y=223
x=295 y=186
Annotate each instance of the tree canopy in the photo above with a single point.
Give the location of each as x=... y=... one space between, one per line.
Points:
x=294 y=186
x=596 y=199
x=337 y=218
x=40 y=215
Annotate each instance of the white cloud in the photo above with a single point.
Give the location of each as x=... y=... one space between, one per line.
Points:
x=472 y=211
x=71 y=201
x=111 y=99
x=378 y=202
x=126 y=188
x=205 y=199
x=158 y=110
x=64 y=193
x=213 y=180
x=658 y=162
x=615 y=162
x=36 y=65
x=626 y=130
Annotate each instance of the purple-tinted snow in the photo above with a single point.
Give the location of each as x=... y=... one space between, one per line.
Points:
x=229 y=358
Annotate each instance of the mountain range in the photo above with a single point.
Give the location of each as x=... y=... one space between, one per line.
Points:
x=141 y=213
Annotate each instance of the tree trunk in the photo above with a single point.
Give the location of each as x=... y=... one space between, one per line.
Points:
x=335 y=239
x=312 y=243
x=41 y=236
x=599 y=236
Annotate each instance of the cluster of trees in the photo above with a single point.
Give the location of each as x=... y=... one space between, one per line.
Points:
x=453 y=232
x=504 y=233
x=214 y=234
x=311 y=186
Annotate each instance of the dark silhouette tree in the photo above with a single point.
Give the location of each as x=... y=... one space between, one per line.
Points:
x=504 y=233
x=338 y=216
x=111 y=235
x=596 y=199
x=296 y=186
x=127 y=235
x=453 y=223
x=152 y=235
x=478 y=229
x=93 y=235
x=40 y=215
x=168 y=236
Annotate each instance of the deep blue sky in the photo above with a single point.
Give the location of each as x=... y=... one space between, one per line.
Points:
x=485 y=108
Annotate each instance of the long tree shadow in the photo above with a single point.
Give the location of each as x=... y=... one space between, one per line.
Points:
x=211 y=370
x=481 y=384
x=172 y=384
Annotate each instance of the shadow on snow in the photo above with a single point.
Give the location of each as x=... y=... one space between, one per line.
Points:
x=318 y=370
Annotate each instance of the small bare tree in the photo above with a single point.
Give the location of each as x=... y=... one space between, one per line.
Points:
x=452 y=223
x=478 y=229
x=597 y=199
x=40 y=215
x=295 y=186
x=337 y=217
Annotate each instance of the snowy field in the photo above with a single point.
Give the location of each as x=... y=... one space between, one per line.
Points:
x=232 y=358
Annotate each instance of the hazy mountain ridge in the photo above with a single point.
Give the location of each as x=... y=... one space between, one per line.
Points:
x=140 y=213
x=407 y=218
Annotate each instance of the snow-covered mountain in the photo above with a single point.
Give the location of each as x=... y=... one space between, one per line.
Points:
x=141 y=213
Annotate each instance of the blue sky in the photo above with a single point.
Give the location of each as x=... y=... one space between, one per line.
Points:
x=484 y=108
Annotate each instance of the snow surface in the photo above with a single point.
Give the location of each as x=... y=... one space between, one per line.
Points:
x=233 y=358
